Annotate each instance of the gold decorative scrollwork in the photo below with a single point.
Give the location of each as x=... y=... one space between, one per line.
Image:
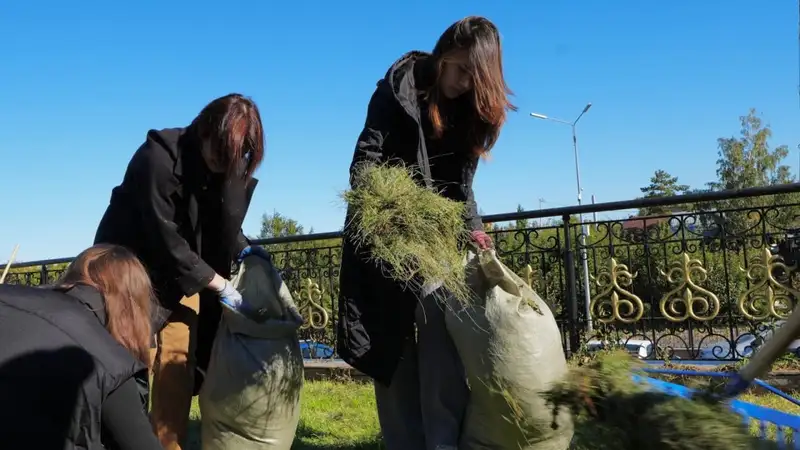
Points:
x=767 y=296
x=688 y=300
x=527 y=275
x=309 y=298
x=613 y=302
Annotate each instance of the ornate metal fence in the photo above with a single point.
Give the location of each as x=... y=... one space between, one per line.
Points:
x=707 y=283
x=694 y=285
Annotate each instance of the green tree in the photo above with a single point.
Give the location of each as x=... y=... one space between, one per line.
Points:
x=662 y=184
x=749 y=161
x=277 y=225
x=306 y=264
x=522 y=223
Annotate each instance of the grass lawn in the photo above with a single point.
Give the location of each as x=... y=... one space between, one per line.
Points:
x=773 y=401
x=338 y=415
x=334 y=416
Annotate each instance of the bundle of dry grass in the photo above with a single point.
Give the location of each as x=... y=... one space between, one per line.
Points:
x=614 y=412
x=412 y=232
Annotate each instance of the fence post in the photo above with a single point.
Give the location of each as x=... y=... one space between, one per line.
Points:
x=571 y=290
x=43 y=275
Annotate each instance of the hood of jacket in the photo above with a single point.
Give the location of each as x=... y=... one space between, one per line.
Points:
x=92 y=299
x=407 y=78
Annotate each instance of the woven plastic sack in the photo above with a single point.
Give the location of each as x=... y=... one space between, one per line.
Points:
x=511 y=348
x=250 y=399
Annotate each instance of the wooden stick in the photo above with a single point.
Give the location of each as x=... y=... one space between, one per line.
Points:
x=9 y=263
x=773 y=349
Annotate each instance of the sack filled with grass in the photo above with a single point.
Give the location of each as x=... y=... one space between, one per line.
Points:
x=510 y=345
x=414 y=234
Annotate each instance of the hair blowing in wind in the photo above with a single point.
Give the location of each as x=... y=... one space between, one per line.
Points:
x=480 y=38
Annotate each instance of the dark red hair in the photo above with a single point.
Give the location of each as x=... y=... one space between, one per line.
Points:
x=232 y=124
x=490 y=94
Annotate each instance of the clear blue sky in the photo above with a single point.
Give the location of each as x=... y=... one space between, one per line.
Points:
x=81 y=83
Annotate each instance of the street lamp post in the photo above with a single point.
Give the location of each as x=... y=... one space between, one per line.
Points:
x=584 y=228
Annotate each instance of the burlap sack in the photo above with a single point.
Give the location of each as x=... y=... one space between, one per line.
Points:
x=511 y=348
x=250 y=399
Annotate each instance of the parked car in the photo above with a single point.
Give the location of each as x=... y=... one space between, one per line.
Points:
x=745 y=346
x=315 y=350
x=640 y=348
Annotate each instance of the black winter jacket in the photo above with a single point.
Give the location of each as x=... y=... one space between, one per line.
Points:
x=183 y=222
x=58 y=365
x=376 y=314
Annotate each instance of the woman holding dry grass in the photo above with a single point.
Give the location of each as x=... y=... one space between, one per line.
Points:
x=439 y=112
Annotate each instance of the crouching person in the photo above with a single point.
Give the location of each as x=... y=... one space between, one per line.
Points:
x=73 y=359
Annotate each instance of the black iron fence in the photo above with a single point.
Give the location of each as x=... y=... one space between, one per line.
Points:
x=707 y=278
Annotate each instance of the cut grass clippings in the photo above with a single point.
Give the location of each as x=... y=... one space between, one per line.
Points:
x=412 y=232
x=341 y=415
x=614 y=412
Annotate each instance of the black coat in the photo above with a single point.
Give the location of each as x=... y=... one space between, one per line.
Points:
x=376 y=314
x=183 y=222
x=57 y=366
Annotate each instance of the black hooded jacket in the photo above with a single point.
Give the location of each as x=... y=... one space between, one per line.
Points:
x=183 y=222
x=60 y=369
x=376 y=314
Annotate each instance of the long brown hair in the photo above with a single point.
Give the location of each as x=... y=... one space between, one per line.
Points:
x=232 y=124
x=126 y=289
x=490 y=101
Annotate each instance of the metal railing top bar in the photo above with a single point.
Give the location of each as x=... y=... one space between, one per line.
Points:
x=699 y=197
x=564 y=211
x=43 y=262
x=298 y=238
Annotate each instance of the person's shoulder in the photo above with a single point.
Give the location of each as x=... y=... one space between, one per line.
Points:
x=159 y=153
x=408 y=60
x=397 y=90
x=403 y=67
x=43 y=302
x=13 y=292
x=398 y=86
x=164 y=143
